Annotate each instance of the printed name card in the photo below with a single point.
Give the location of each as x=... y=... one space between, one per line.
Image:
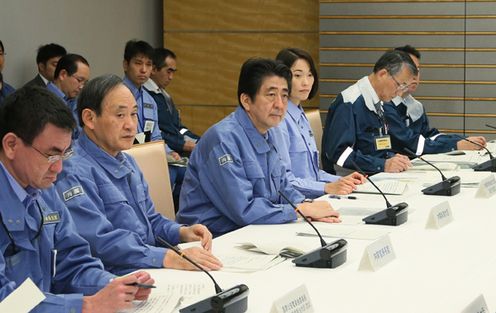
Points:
x=440 y=215
x=479 y=305
x=487 y=187
x=295 y=301
x=377 y=254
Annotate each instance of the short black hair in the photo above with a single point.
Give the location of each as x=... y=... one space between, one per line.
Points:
x=289 y=56
x=159 y=56
x=48 y=51
x=393 y=61
x=28 y=110
x=410 y=50
x=69 y=63
x=137 y=47
x=255 y=70
x=93 y=93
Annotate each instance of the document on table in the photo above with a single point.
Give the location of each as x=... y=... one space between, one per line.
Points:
x=248 y=263
x=388 y=187
x=363 y=233
x=159 y=303
x=189 y=293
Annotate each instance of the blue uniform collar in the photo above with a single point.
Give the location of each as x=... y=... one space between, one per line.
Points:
x=368 y=93
x=118 y=167
x=15 y=201
x=295 y=111
x=59 y=93
x=137 y=92
x=257 y=140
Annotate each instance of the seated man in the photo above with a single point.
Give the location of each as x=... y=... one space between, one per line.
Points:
x=409 y=125
x=177 y=136
x=47 y=58
x=107 y=195
x=138 y=68
x=38 y=238
x=355 y=128
x=5 y=89
x=71 y=73
x=235 y=174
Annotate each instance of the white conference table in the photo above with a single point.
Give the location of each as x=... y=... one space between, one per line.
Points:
x=434 y=271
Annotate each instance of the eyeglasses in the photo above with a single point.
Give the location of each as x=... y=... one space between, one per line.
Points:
x=79 y=79
x=55 y=158
x=400 y=87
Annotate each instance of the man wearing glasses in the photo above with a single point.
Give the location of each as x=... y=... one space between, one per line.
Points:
x=71 y=73
x=409 y=125
x=356 y=129
x=38 y=238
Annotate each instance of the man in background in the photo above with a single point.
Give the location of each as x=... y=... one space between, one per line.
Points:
x=47 y=58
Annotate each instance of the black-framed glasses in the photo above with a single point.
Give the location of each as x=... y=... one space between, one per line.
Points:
x=57 y=157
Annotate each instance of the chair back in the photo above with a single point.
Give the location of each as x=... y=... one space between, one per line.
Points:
x=152 y=161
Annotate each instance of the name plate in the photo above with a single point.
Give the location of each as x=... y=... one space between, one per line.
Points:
x=440 y=215
x=295 y=301
x=377 y=254
x=25 y=298
x=479 y=305
x=487 y=187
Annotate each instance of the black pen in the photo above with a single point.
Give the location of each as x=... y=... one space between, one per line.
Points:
x=345 y=197
x=145 y=286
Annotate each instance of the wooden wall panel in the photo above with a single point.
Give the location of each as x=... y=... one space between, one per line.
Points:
x=213 y=38
x=456 y=39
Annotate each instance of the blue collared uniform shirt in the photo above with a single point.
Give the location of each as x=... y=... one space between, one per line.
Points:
x=5 y=91
x=71 y=103
x=414 y=132
x=300 y=155
x=58 y=260
x=109 y=201
x=234 y=177
x=352 y=124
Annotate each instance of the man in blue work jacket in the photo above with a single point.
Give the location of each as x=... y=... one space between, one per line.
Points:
x=107 y=195
x=356 y=129
x=138 y=68
x=235 y=173
x=409 y=125
x=38 y=238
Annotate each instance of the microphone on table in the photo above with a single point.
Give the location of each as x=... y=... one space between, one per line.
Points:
x=447 y=186
x=232 y=300
x=329 y=255
x=393 y=215
x=491 y=126
x=487 y=166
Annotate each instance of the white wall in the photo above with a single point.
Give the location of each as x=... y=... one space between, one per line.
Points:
x=96 y=29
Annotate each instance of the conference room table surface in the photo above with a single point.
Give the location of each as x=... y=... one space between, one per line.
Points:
x=435 y=270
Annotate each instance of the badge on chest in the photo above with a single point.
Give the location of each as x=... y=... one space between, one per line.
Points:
x=382 y=142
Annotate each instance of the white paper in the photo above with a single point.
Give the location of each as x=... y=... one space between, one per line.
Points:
x=155 y=304
x=189 y=292
x=363 y=233
x=23 y=299
x=389 y=187
x=248 y=263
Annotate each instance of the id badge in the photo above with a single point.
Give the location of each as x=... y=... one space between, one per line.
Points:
x=140 y=138
x=149 y=126
x=382 y=142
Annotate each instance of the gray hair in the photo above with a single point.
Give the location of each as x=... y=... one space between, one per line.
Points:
x=393 y=61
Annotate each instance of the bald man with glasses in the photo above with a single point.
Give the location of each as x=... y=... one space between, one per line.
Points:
x=356 y=130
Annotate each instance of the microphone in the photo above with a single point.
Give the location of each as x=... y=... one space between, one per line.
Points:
x=487 y=166
x=329 y=255
x=232 y=300
x=393 y=215
x=447 y=187
x=491 y=126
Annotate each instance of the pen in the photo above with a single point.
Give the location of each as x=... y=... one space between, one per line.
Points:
x=145 y=286
x=345 y=197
